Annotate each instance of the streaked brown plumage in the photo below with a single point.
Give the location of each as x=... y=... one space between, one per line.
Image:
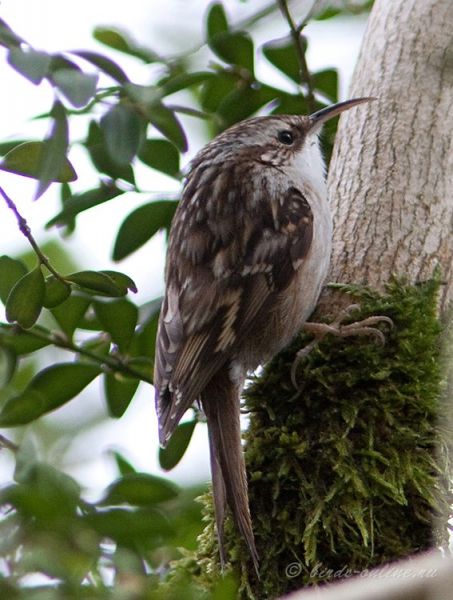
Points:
x=248 y=254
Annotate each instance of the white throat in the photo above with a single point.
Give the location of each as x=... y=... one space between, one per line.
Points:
x=309 y=167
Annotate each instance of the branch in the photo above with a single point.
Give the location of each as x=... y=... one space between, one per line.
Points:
x=296 y=31
x=26 y=231
x=6 y=443
x=115 y=363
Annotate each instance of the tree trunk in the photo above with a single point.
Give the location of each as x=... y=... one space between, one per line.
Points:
x=391 y=174
x=344 y=471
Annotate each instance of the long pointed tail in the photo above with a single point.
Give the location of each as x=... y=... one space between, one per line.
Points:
x=220 y=401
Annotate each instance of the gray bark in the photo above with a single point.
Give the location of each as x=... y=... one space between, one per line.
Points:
x=391 y=175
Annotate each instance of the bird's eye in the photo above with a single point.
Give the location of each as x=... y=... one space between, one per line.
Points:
x=285 y=137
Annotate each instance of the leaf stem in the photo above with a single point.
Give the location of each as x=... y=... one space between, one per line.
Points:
x=26 y=231
x=295 y=31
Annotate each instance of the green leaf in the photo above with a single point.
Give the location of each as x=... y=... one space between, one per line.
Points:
x=327 y=82
x=56 y=292
x=124 y=466
x=165 y=121
x=25 y=301
x=47 y=391
x=95 y=144
x=141 y=224
x=123 y=130
x=32 y=64
x=77 y=203
x=119 y=393
x=146 y=526
x=8 y=364
x=140 y=489
x=243 y=102
x=234 y=48
x=77 y=87
x=25 y=460
x=282 y=54
x=291 y=104
x=182 y=81
x=144 y=342
x=69 y=314
x=144 y=95
x=53 y=157
x=11 y=270
x=97 y=282
x=216 y=21
x=6 y=147
x=26 y=159
x=119 y=318
x=121 y=42
x=161 y=155
x=170 y=456
x=55 y=491
x=216 y=89
x=23 y=342
x=61 y=62
x=122 y=281
x=105 y=64
x=7 y=36
x=329 y=13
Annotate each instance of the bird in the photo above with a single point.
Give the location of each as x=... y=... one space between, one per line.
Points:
x=248 y=253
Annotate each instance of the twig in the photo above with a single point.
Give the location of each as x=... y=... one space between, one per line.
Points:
x=296 y=36
x=114 y=363
x=26 y=231
x=192 y=112
x=6 y=443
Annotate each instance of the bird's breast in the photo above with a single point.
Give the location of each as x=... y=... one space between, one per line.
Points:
x=294 y=305
x=298 y=301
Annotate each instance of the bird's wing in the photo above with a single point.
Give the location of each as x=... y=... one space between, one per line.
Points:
x=225 y=269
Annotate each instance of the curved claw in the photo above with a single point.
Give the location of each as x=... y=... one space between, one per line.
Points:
x=320 y=330
x=305 y=351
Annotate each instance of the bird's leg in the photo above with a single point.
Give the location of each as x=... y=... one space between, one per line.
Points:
x=320 y=330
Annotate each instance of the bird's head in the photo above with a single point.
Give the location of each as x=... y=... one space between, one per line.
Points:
x=273 y=140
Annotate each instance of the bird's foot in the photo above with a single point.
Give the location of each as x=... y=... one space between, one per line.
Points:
x=320 y=330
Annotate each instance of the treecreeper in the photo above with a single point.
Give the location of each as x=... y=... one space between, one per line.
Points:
x=248 y=254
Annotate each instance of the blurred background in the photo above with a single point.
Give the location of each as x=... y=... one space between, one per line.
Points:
x=79 y=436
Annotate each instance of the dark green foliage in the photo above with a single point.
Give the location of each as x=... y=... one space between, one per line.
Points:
x=123 y=130
x=140 y=519
x=141 y=225
x=345 y=474
x=26 y=159
x=161 y=155
x=170 y=456
x=48 y=390
x=25 y=300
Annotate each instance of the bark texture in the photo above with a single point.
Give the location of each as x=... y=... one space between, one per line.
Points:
x=391 y=174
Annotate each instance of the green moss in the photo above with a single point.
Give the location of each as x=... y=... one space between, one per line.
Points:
x=345 y=474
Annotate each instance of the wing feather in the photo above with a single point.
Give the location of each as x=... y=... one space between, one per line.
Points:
x=219 y=290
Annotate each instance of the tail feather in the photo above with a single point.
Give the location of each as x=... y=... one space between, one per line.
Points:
x=218 y=489
x=220 y=401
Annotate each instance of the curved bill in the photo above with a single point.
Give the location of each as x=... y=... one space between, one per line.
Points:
x=323 y=115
